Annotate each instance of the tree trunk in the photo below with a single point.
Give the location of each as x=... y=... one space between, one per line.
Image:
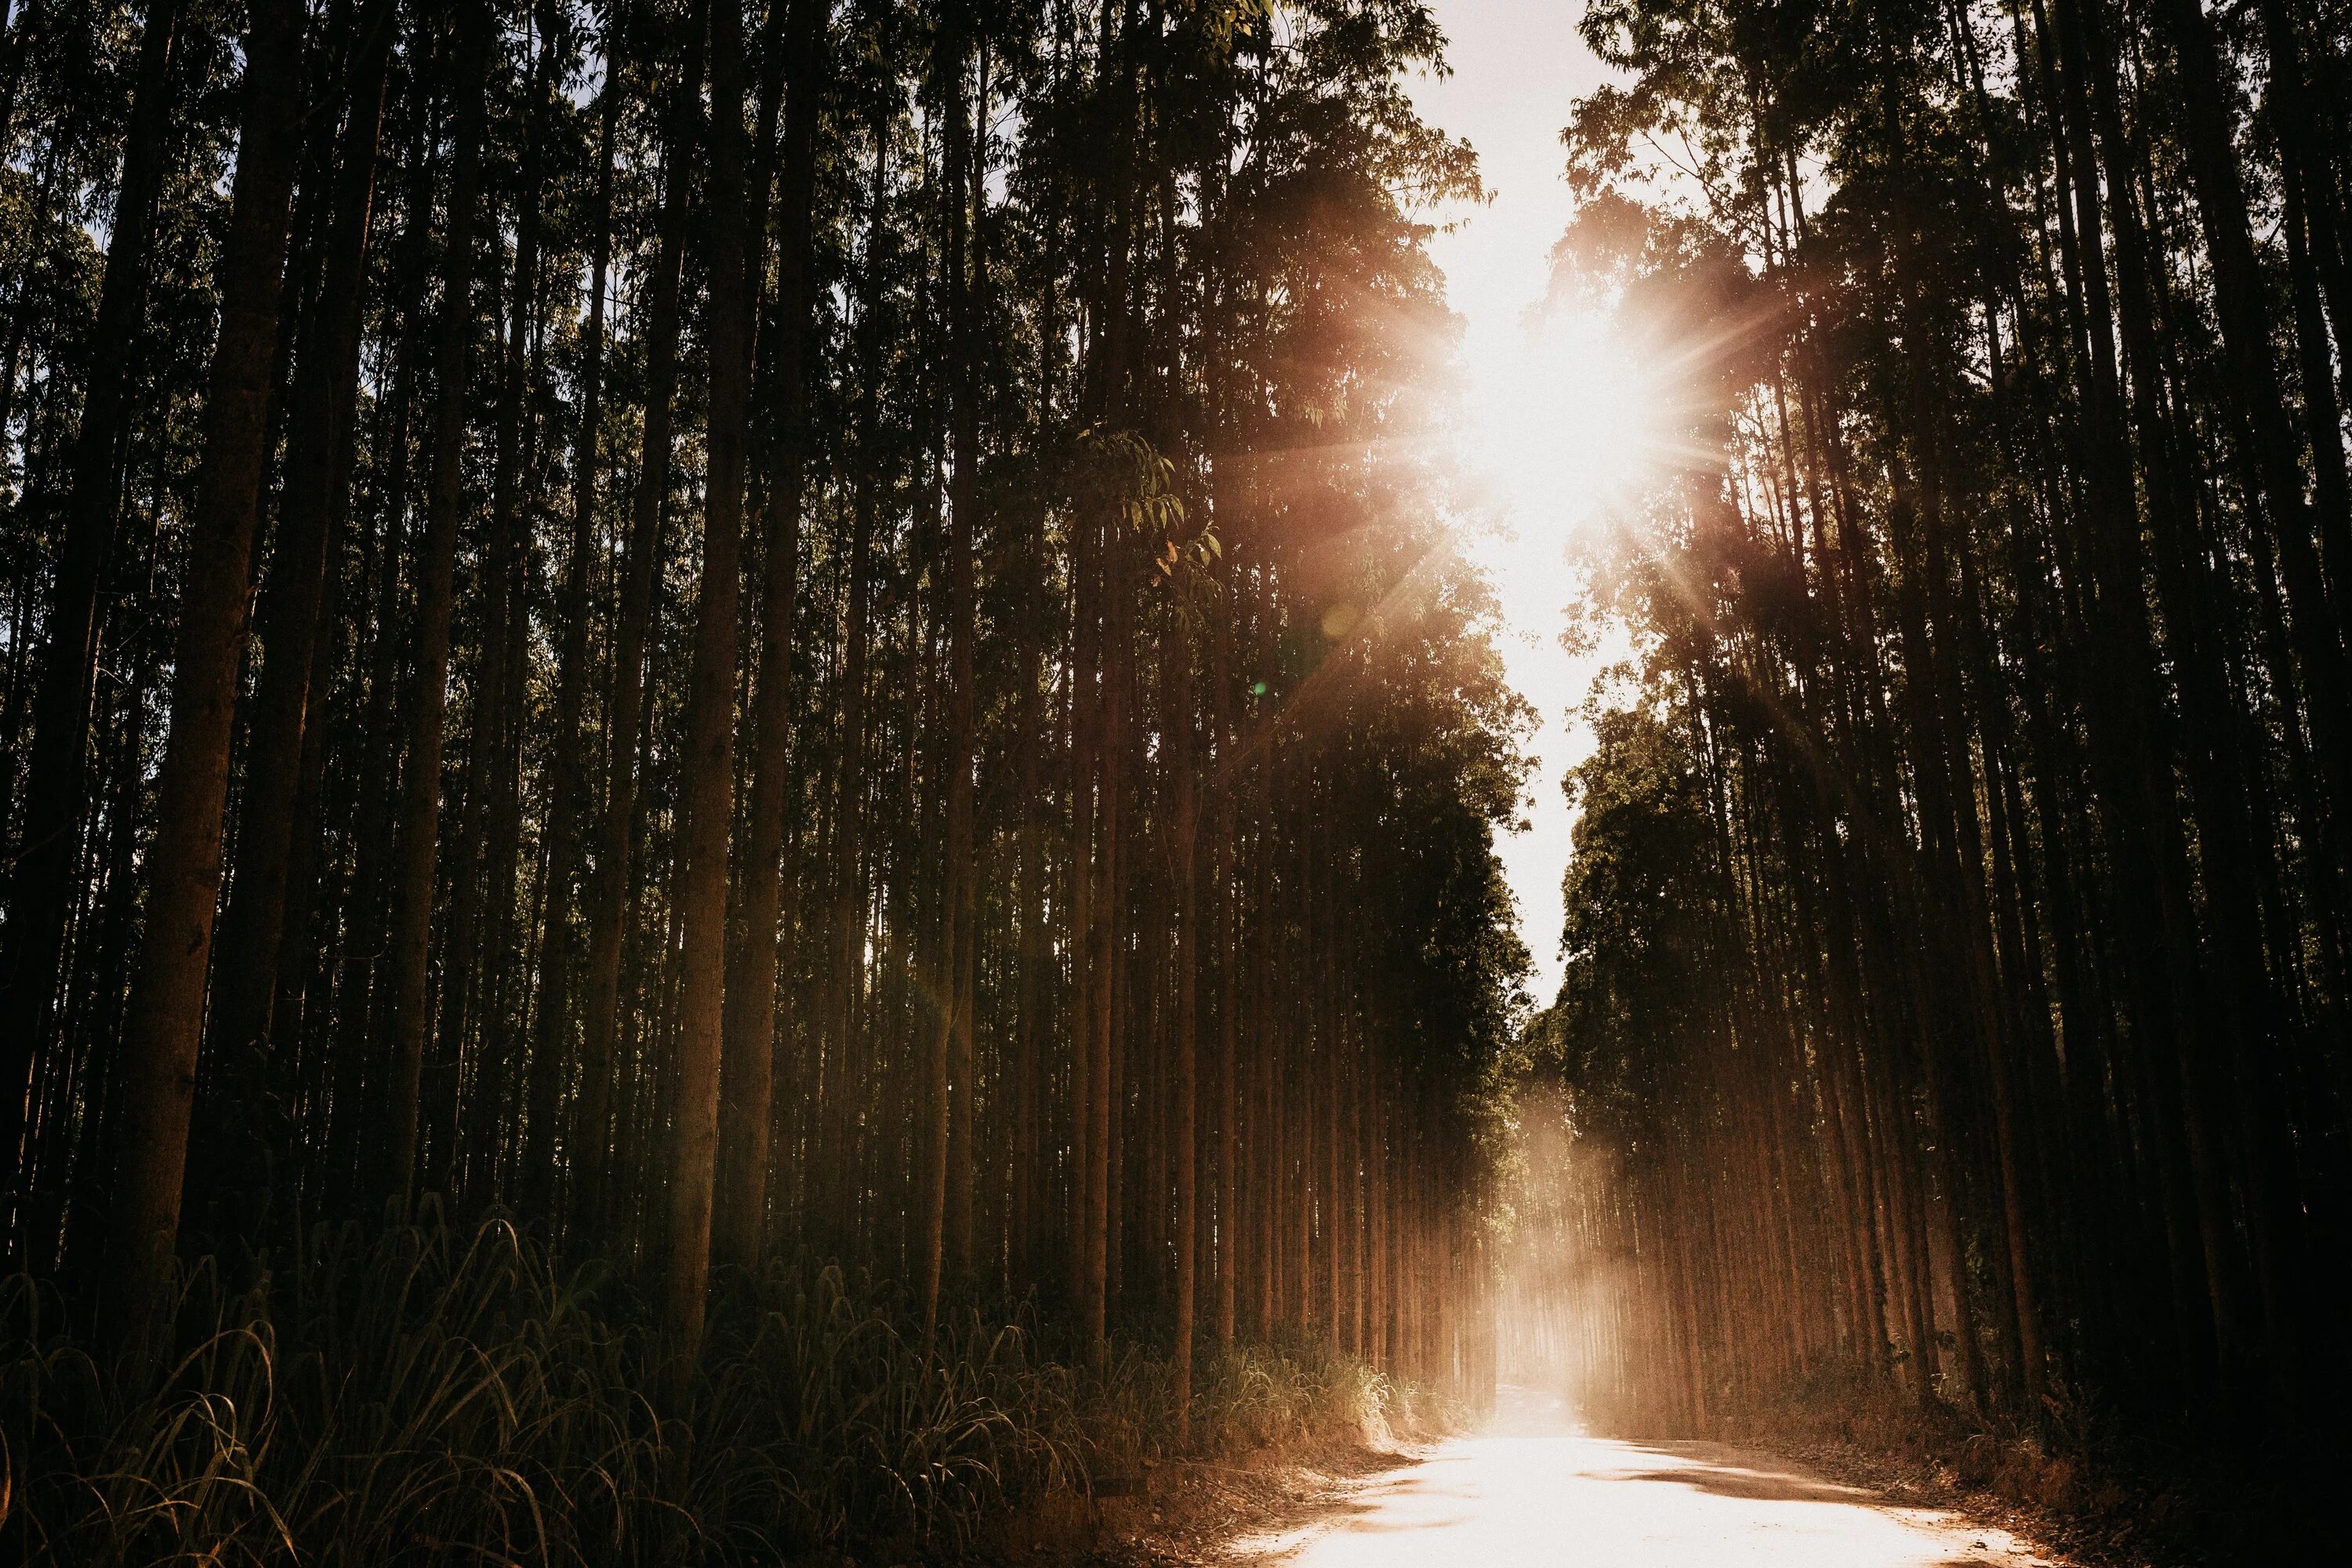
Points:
x=709 y=761
x=40 y=889
x=594 y=1132
x=420 y=803
x=325 y=394
x=1177 y=729
x=948 y=1067
x=552 y=1041
x=167 y=1008
x=749 y=1071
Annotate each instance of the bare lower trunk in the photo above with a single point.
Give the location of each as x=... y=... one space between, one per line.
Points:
x=326 y=389
x=1178 y=723
x=710 y=716
x=594 y=1132
x=749 y=1070
x=420 y=803
x=167 y=1008
x=40 y=884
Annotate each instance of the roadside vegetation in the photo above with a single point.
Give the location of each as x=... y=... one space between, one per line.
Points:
x=440 y=1394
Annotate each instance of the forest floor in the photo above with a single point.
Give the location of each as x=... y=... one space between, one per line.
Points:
x=1528 y=1488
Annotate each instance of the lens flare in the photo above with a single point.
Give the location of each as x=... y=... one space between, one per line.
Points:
x=1562 y=422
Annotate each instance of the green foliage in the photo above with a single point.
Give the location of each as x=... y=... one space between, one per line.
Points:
x=1642 y=938
x=1969 y=801
x=1179 y=323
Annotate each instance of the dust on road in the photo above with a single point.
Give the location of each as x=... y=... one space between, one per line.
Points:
x=1530 y=1488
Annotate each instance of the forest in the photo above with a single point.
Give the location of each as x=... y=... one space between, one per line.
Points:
x=754 y=793
x=749 y=802
x=1956 y=992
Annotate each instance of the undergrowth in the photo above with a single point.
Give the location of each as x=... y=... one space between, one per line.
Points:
x=2076 y=1476
x=441 y=1396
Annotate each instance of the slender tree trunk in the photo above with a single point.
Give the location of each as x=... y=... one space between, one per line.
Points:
x=1104 y=994
x=595 y=1133
x=948 y=1069
x=748 y=1074
x=1025 y=1254
x=968 y=272
x=167 y=1008
x=484 y=935
x=40 y=887
x=420 y=803
x=1229 y=974
x=846 y=970
x=709 y=761
x=552 y=1042
x=322 y=419
x=1085 y=713
x=1177 y=731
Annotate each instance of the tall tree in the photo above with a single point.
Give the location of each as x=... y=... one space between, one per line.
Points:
x=625 y=712
x=421 y=781
x=322 y=427
x=749 y=1071
x=167 y=998
x=40 y=886
x=710 y=717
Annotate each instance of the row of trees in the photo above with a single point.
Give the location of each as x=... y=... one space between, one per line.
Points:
x=1957 y=989
x=821 y=626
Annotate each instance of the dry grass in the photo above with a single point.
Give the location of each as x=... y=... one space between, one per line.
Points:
x=440 y=1397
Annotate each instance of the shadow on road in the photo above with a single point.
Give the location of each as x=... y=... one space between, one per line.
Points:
x=1707 y=1466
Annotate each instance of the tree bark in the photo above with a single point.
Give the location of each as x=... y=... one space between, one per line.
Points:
x=167 y=1016
x=592 y=1131
x=710 y=762
x=747 y=1073
x=321 y=418
x=40 y=887
x=420 y=794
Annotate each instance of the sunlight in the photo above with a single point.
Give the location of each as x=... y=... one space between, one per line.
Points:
x=1561 y=423
x=1562 y=420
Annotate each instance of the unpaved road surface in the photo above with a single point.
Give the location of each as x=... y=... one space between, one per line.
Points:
x=1530 y=1490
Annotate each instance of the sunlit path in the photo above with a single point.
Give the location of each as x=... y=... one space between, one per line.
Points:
x=1530 y=1488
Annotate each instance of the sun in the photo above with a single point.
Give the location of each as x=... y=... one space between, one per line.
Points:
x=1564 y=419
x=1562 y=422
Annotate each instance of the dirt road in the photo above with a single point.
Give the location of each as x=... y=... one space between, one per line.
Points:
x=1530 y=1490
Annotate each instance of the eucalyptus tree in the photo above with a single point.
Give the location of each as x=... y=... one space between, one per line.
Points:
x=1955 y=932
x=847 y=599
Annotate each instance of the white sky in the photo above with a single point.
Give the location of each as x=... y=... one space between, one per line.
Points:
x=1549 y=405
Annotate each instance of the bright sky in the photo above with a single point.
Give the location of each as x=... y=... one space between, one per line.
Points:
x=1552 y=413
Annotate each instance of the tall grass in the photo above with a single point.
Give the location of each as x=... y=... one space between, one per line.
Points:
x=440 y=1397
